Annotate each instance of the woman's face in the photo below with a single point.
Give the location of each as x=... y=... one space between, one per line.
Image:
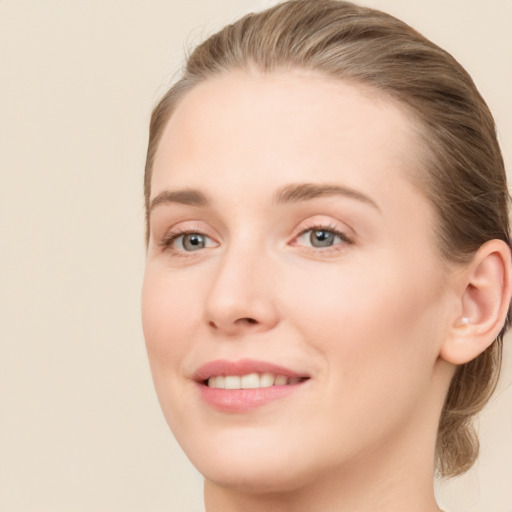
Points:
x=286 y=240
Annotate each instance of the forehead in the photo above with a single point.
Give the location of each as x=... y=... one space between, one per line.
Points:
x=292 y=125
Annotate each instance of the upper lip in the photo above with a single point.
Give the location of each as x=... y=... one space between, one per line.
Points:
x=242 y=367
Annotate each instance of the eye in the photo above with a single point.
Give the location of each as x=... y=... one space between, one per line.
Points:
x=187 y=241
x=320 y=237
x=191 y=241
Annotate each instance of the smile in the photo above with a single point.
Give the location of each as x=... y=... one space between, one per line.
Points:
x=251 y=381
x=245 y=385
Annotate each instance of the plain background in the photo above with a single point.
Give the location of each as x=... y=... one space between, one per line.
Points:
x=80 y=426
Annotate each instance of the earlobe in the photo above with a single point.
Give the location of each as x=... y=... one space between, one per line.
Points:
x=486 y=292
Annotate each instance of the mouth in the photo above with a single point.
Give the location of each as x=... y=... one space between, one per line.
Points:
x=251 y=381
x=240 y=386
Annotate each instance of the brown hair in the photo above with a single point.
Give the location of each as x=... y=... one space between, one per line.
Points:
x=464 y=172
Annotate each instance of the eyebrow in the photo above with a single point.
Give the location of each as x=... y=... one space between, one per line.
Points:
x=186 y=196
x=293 y=193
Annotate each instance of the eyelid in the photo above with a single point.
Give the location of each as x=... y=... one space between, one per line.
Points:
x=166 y=241
x=323 y=226
x=174 y=233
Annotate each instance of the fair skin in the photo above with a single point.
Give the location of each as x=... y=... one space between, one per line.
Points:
x=306 y=246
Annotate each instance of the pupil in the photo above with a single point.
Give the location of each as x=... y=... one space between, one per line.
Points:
x=193 y=242
x=320 y=238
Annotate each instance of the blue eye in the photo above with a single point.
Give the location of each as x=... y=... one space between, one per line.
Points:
x=187 y=241
x=192 y=241
x=321 y=237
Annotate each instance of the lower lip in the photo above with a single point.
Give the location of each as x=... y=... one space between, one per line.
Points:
x=243 y=400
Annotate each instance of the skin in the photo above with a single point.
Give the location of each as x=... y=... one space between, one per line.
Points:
x=365 y=318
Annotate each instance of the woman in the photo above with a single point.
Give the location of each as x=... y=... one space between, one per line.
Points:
x=328 y=270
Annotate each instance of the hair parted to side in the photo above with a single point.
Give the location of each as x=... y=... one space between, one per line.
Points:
x=463 y=170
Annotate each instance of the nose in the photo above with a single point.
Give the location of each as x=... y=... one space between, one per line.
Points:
x=241 y=298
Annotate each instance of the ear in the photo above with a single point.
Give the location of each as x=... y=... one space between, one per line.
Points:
x=486 y=289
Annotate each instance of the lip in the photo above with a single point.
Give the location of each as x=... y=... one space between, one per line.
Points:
x=244 y=400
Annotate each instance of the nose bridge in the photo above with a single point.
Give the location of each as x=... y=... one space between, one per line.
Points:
x=240 y=296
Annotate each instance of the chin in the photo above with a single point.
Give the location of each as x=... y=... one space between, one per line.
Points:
x=250 y=465
x=261 y=480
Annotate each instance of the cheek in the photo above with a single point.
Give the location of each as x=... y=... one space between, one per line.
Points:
x=169 y=313
x=370 y=323
x=375 y=335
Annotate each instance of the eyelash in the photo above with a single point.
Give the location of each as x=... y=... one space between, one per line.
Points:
x=330 y=229
x=171 y=236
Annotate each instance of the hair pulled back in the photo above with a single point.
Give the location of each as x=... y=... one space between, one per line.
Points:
x=462 y=174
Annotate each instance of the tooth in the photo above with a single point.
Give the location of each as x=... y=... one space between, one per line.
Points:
x=232 y=382
x=250 y=381
x=281 y=380
x=266 y=380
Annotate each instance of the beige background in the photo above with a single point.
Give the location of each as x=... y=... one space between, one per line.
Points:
x=80 y=427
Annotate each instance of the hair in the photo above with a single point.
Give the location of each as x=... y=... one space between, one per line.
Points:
x=463 y=173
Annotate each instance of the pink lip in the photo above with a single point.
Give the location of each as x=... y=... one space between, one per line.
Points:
x=243 y=400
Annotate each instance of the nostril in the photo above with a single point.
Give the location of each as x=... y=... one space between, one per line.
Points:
x=239 y=323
